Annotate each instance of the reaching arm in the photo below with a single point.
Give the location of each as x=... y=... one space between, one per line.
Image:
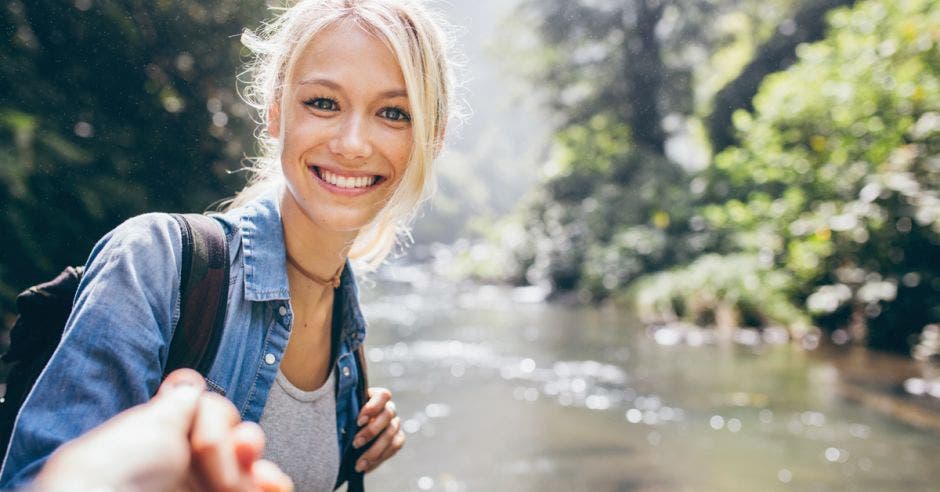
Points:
x=114 y=347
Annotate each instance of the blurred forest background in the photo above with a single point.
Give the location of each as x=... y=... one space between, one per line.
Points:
x=720 y=162
x=731 y=163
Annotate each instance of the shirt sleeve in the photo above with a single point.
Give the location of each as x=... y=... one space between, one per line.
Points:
x=114 y=347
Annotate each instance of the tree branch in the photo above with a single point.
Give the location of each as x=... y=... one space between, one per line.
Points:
x=778 y=53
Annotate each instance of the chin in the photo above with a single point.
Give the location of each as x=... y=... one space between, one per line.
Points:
x=342 y=222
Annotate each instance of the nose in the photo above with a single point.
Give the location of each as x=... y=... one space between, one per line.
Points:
x=351 y=141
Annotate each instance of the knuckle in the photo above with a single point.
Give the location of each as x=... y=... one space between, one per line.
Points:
x=203 y=452
x=382 y=393
x=372 y=454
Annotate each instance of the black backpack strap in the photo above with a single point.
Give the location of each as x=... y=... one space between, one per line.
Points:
x=355 y=483
x=203 y=294
x=347 y=471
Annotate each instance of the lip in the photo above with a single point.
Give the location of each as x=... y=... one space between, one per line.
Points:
x=314 y=171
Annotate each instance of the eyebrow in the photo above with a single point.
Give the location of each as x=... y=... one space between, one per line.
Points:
x=333 y=85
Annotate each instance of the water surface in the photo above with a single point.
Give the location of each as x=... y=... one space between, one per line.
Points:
x=500 y=394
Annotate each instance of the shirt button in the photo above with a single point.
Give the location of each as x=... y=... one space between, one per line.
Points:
x=282 y=311
x=269 y=359
x=346 y=371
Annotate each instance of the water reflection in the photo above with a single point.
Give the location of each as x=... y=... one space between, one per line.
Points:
x=500 y=395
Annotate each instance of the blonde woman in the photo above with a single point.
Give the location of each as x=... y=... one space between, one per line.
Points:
x=354 y=96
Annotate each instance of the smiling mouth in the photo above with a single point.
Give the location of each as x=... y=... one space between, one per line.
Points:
x=347 y=182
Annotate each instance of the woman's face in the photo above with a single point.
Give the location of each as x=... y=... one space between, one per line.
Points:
x=345 y=128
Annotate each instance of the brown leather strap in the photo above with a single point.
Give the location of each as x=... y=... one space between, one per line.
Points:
x=203 y=294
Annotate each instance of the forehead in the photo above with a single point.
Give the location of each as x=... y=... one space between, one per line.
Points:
x=348 y=54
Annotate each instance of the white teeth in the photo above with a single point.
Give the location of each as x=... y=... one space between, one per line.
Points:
x=346 y=182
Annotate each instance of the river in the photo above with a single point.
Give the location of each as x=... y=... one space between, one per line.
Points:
x=499 y=393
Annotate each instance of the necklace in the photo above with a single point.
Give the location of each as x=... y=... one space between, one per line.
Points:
x=333 y=281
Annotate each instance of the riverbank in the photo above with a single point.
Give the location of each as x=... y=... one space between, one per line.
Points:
x=901 y=388
x=884 y=382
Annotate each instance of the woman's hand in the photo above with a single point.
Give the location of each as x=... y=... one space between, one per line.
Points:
x=378 y=421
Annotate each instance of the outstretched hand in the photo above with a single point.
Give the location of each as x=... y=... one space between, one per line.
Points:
x=183 y=439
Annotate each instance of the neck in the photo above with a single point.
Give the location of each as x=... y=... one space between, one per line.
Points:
x=319 y=251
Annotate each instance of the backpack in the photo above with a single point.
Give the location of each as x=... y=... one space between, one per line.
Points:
x=45 y=308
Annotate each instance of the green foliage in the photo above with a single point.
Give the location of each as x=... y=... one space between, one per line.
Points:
x=610 y=213
x=840 y=160
x=827 y=211
x=631 y=59
x=739 y=289
x=109 y=109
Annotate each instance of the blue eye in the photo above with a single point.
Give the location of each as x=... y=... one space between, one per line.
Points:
x=395 y=114
x=322 y=103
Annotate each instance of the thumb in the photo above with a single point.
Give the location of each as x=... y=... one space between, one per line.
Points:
x=174 y=406
x=177 y=398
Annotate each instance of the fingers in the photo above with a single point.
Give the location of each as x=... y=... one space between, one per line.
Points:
x=378 y=398
x=375 y=427
x=248 y=439
x=176 y=400
x=214 y=451
x=384 y=447
x=269 y=478
x=183 y=377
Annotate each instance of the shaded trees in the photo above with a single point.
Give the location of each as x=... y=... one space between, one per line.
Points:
x=838 y=173
x=109 y=109
x=825 y=212
x=630 y=59
x=777 y=53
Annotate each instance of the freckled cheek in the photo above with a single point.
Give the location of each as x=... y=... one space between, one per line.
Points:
x=304 y=136
x=398 y=152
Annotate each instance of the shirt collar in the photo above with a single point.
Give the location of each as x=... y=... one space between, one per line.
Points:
x=262 y=237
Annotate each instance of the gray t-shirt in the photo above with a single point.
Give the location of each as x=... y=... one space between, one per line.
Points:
x=300 y=427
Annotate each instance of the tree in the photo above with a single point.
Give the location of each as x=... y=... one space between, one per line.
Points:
x=109 y=109
x=837 y=173
x=631 y=59
x=623 y=72
x=776 y=54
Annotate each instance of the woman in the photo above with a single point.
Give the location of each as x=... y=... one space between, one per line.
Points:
x=354 y=95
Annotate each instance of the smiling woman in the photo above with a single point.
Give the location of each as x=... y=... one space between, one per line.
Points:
x=354 y=96
x=415 y=93
x=349 y=133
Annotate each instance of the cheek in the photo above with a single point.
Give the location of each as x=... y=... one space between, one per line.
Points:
x=398 y=150
x=300 y=131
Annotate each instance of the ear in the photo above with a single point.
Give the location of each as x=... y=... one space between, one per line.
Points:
x=274 y=120
x=439 y=140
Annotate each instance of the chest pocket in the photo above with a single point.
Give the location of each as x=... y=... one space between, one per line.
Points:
x=347 y=375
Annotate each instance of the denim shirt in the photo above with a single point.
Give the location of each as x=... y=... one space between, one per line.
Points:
x=116 y=340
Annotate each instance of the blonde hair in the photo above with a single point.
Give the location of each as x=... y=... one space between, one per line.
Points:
x=417 y=39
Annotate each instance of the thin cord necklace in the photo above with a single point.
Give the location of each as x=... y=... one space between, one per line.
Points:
x=326 y=282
